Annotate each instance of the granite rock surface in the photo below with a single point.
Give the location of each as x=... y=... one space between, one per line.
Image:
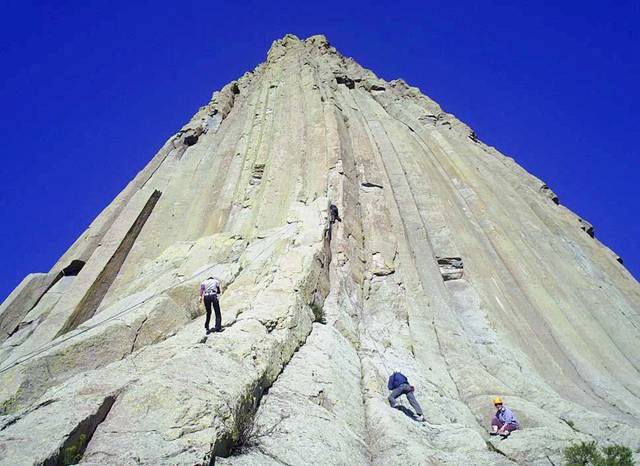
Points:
x=450 y=263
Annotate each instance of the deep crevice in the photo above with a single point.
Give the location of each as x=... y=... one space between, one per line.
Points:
x=55 y=280
x=491 y=447
x=97 y=291
x=137 y=334
x=74 y=446
x=243 y=433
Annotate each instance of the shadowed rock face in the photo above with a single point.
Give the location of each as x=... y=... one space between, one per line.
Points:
x=450 y=263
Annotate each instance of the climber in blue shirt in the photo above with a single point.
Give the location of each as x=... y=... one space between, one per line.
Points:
x=504 y=422
x=399 y=385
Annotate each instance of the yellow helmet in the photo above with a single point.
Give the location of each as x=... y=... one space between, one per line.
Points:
x=497 y=400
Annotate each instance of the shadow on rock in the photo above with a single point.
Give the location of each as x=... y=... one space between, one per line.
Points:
x=407 y=412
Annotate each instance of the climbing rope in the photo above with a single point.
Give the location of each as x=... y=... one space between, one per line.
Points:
x=126 y=310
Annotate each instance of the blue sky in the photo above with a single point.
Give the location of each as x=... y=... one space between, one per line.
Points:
x=90 y=90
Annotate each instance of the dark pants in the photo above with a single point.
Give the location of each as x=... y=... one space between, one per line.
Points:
x=208 y=301
x=334 y=217
x=499 y=424
x=405 y=389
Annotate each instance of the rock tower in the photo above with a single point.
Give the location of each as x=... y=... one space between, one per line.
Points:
x=451 y=263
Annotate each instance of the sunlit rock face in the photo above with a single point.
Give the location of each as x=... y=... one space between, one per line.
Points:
x=450 y=262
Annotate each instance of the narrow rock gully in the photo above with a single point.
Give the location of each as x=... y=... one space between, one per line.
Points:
x=244 y=433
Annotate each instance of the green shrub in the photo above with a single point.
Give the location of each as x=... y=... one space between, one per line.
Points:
x=582 y=454
x=318 y=311
x=617 y=455
x=72 y=453
x=588 y=454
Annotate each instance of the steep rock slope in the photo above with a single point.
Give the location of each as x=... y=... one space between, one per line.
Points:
x=451 y=263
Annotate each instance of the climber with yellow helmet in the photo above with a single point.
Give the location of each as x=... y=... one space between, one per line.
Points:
x=504 y=422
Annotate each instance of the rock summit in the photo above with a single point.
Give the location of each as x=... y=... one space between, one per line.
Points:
x=450 y=262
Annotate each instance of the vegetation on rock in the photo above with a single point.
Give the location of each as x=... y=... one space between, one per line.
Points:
x=588 y=454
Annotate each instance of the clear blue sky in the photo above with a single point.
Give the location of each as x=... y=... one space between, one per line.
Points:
x=90 y=90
